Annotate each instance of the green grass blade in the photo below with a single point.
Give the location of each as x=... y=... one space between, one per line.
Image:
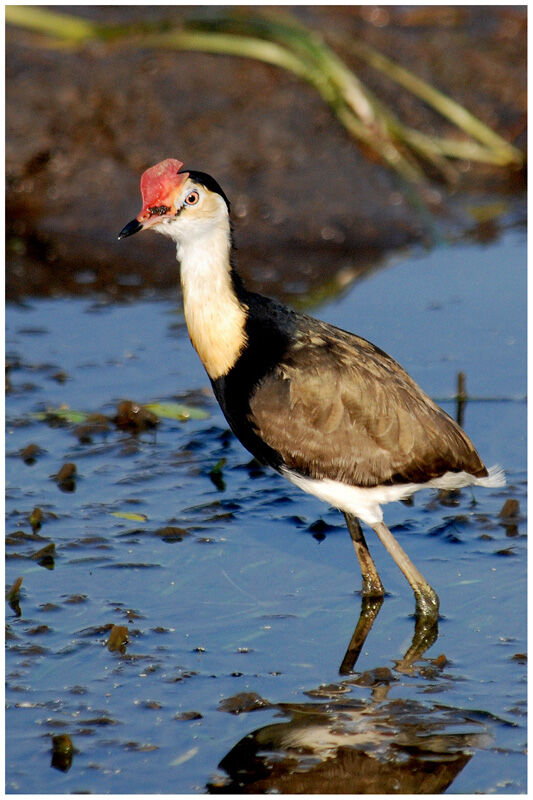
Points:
x=51 y=23
x=278 y=39
x=447 y=107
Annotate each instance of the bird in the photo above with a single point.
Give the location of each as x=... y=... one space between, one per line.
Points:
x=326 y=409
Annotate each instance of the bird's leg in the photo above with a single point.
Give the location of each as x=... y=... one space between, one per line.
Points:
x=427 y=602
x=372 y=586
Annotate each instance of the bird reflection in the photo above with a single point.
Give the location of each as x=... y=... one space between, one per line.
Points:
x=342 y=744
x=425 y=634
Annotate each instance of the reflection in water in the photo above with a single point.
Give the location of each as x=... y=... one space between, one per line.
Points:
x=349 y=745
x=425 y=634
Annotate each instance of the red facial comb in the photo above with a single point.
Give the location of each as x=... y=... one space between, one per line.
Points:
x=159 y=182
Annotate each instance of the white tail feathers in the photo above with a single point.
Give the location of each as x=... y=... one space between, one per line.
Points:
x=365 y=502
x=494 y=479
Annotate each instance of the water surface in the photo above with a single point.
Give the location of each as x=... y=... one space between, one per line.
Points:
x=239 y=594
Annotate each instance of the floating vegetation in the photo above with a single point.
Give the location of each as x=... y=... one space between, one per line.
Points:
x=36 y=519
x=130 y=415
x=510 y=509
x=14 y=590
x=13 y=596
x=30 y=453
x=216 y=475
x=62 y=752
x=186 y=716
x=243 y=703
x=130 y=516
x=45 y=557
x=134 y=417
x=172 y=533
x=277 y=38
x=61 y=416
x=66 y=477
x=118 y=638
x=176 y=411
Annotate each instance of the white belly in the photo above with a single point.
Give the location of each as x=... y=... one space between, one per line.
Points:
x=365 y=503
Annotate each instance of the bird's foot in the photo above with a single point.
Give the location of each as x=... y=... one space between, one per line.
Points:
x=427 y=604
x=372 y=589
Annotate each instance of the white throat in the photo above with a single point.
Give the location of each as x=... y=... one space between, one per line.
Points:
x=215 y=318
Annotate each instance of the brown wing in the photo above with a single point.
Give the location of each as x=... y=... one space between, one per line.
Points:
x=338 y=407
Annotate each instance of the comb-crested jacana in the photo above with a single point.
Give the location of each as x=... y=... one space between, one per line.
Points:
x=328 y=410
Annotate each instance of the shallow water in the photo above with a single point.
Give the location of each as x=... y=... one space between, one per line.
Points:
x=240 y=594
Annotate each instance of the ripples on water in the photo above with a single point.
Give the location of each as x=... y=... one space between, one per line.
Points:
x=206 y=623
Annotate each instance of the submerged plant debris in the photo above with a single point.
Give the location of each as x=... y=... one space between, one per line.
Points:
x=182 y=583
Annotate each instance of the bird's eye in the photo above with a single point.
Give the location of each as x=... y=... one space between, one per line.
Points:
x=192 y=198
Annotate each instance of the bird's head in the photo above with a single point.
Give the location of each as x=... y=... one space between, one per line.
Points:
x=179 y=203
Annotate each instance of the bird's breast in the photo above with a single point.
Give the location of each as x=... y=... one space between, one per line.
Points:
x=217 y=332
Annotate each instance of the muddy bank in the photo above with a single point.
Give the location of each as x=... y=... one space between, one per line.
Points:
x=82 y=125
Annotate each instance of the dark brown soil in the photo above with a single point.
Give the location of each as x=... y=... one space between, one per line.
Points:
x=82 y=125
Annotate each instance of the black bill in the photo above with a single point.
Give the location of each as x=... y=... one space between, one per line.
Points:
x=132 y=227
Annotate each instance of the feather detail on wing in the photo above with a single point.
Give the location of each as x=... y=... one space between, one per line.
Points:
x=337 y=407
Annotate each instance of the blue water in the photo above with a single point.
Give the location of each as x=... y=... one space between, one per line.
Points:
x=249 y=600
